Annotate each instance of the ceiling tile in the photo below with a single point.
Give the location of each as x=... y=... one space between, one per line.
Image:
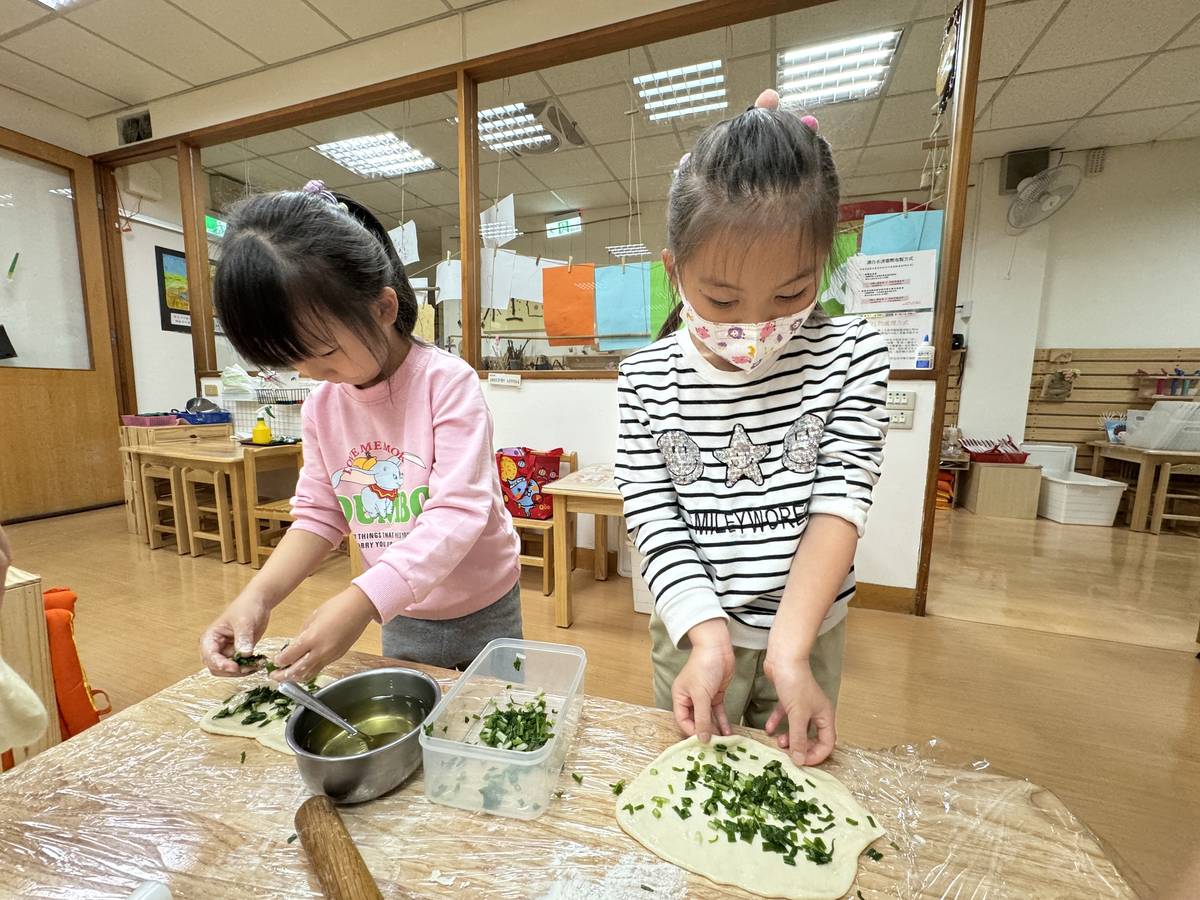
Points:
x=1189 y=38
x=69 y=49
x=384 y=194
x=418 y=111
x=1188 y=128
x=192 y=52
x=879 y=160
x=613 y=68
x=221 y=155
x=273 y=30
x=16 y=14
x=846 y=162
x=1171 y=77
x=656 y=154
x=746 y=78
x=310 y=164
x=904 y=118
x=600 y=113
x=360 y=18
x=435 y=188
x=915 y=64
x=1125 y=128
x=340 y=128
x=987 y=144
x=564 y=168
x=720 y=43
x=514 y=177
x=872 y=185
x=45 y=84
x=650 y=188
x=842 y=18
x=541 y=203
x=847 y=125
x=437 y=140
x=984 y=93
x=1053 y=96
x=519 y=88
x=1092 y=30
x=433 y=217
x=276 y=142
x=594 y=196
x=1007 y=33
x=261 y=175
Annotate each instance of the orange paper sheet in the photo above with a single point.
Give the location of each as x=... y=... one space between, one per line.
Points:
x=569 y=304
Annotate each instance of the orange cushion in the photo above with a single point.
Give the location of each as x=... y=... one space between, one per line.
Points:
x=60 y=598
x=75 y=709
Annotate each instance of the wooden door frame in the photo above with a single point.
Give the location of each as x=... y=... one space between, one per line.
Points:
x=118 y=298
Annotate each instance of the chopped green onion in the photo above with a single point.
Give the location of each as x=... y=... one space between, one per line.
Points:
x=618 y=788
x=656 y=812
x=292 y=839
x=872 y=821
x=578 y=778
x=654 y=771
x=850 y=821
x=874 y=855
x=517 y=664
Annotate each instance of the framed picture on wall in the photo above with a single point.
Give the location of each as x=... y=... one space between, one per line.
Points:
x=174 y=309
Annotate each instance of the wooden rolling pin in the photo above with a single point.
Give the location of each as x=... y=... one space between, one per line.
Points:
x=333 y=853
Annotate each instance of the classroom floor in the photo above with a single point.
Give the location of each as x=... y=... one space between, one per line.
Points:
x=1107 y=583
x=1112 y=728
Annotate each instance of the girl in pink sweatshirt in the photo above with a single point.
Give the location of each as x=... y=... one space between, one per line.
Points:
x=397 y=446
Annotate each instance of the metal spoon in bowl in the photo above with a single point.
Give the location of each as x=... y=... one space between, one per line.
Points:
x=297 y=694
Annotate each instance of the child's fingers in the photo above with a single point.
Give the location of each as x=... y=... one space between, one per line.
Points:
x=682 y=708
x=774 y=719
x=797 y=739
x=820 y=749
x=703 y=711
x=302 y=670
x=212 y=652
x=722 y=718
x=293 y=651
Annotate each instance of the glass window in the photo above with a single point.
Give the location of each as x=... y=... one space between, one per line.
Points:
x=43 y=324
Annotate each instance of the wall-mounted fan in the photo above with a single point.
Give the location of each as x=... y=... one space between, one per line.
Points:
x=1041 y=195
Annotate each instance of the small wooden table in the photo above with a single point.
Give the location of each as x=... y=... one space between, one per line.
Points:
x=591 y=489
x=211 y=454
x=1147 y=462
x=146 y=795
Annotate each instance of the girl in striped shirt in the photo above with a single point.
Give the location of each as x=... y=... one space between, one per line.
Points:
x=751 y=440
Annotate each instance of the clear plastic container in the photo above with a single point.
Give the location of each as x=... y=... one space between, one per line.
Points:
x=461 y=772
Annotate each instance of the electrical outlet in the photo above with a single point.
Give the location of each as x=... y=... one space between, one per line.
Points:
x=901 y=400
x=900 y=419
x=504 y=379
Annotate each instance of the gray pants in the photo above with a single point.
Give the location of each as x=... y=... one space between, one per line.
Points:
x=453 y=643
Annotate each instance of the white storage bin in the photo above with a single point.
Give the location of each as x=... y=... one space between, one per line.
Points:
x=643 y=600
x=1071 y=497
x=1170 y=425
x=625 y=557
x=512 y=783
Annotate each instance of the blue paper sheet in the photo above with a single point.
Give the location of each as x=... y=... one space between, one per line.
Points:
x=898 y=233
x=623 y=305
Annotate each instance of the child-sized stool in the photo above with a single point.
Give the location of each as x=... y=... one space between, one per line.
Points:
x=154 y=477
x=219 y=510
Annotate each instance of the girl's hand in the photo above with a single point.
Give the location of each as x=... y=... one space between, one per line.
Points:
x=329 y=632
x=802 y=701
x=698 y=694
x=236 y=630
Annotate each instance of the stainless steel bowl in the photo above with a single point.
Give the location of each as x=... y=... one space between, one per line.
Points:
x=365 y=776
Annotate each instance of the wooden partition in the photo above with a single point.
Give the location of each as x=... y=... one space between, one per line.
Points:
x=1107 y=382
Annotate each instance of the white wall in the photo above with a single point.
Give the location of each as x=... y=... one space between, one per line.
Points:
x=582 y=416
x=1123 y=256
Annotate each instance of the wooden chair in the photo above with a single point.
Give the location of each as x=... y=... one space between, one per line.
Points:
x=162 y=493
x=1165 y=493
x=543 y=530
x=220 y=510
x=275 y=512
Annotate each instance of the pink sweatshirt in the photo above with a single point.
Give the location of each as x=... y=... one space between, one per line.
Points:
x=408 y=466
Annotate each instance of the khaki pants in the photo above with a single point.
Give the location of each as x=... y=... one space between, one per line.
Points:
x=750 y=697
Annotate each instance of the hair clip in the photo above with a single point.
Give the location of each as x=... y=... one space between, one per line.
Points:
x=812 y=123
x=317 y=188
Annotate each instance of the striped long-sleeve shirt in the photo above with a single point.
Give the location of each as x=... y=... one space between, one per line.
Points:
x=720 y=470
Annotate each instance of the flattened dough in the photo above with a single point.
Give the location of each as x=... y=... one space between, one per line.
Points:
x=270 y=735
x=688 y=842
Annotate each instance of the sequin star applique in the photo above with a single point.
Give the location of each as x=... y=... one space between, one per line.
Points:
x=741 y=458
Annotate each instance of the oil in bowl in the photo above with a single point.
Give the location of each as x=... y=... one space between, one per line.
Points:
x=383 y=720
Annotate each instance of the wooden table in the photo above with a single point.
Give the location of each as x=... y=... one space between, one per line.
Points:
x=145 y=795
x=211 y=454
x=591 y=489
x=1147 y=462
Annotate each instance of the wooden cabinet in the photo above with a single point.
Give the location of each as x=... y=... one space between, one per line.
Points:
x=1003 y=490
x=24 y=646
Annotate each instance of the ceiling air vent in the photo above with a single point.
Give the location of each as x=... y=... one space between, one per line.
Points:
x=134 y=128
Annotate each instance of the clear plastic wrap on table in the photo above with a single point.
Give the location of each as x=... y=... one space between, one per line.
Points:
x=147 y=796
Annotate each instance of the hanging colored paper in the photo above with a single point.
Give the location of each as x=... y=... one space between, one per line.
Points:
x=623 y=305
x=661 y=299
x=498 y=224
x=834 y=281
x=424 y=329
x=496 y=278
x=404 y=239
x=527 y=277
x=569 y=304
x=448 y=278
x=902 y=232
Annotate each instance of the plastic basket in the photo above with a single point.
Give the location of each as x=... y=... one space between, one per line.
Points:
x=283 y=395
x=995 y=456
x=220 y=417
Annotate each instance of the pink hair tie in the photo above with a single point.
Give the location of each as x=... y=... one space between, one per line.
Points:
x=317 y=188
x=811 y=122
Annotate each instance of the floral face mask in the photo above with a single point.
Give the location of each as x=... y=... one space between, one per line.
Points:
x=745 y=345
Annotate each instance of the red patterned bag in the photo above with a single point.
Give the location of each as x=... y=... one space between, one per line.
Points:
x=523 y=474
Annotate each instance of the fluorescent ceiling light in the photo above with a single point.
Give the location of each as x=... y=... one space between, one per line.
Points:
x=624 y=251
x=509 y=127
x=836 y=71
x=57 y=4
x=377 y=156
x=675 y=86
x=689 y=111
x=679 y=73
x=63 y=192
x=684 y=98
x=6 y=200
